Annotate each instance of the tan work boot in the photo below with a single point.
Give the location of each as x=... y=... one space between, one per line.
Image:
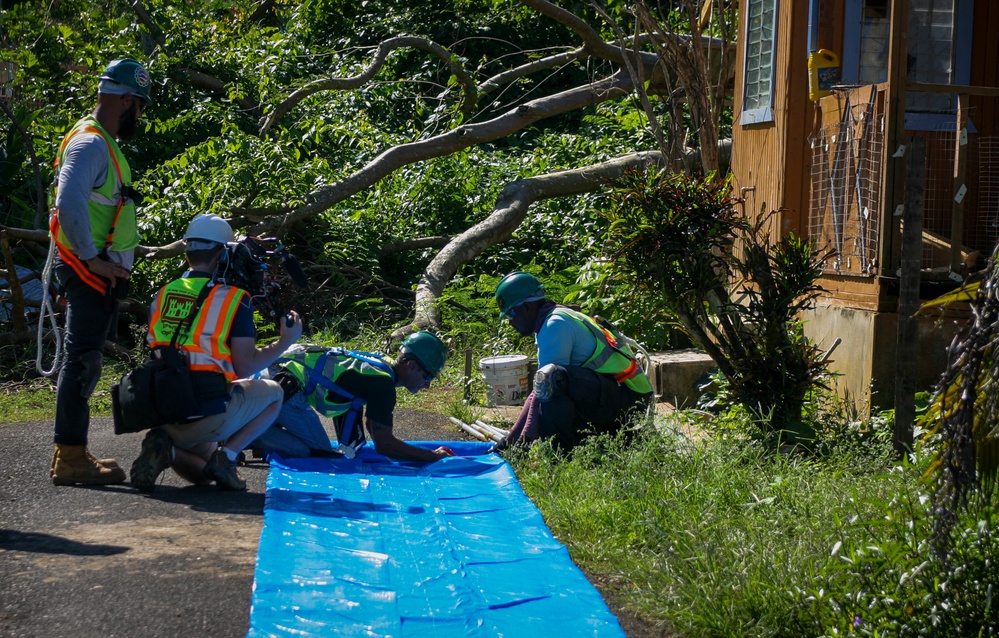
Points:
x=73 y=464
x=108 y=463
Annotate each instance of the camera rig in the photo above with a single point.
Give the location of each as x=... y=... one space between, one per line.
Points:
x=247 y=264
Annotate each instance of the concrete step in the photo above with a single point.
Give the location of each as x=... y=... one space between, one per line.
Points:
x=675 y=375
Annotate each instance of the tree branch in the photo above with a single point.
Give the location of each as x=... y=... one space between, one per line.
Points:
x=413 y=244
x=457 y=139
x=510 y=209
x=469 y=91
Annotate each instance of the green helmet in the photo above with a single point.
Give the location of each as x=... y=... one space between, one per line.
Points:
x=517 y=288
x=428 y=349
x=129 y=73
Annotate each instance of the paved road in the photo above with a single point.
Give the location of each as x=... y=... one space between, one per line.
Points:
x=111 y=562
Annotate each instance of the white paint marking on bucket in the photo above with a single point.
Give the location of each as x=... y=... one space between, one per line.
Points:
x=506 y=376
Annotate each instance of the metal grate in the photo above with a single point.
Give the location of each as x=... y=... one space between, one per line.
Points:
x=983 y=234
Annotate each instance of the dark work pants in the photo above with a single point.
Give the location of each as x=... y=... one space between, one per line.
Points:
x=88 y=318
x=590 y=403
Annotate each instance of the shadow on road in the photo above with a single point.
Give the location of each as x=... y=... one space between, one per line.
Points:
x=39 y=543
x=211 y=499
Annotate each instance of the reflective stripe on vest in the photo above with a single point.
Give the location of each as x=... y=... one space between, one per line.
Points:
x=211 y=326
x=112 y=216
x=608 y=356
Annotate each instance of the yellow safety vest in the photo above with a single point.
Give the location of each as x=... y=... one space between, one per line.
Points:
x=204 y=344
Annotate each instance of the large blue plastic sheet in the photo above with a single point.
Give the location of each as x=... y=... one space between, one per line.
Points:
x=373 y=547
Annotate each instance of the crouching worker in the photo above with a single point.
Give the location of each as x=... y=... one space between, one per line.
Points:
x=341 y=384
x=587 y=380
x=217 y=336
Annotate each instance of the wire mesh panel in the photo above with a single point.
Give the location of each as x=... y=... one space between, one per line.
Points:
x=983 y=233
x=846 y=189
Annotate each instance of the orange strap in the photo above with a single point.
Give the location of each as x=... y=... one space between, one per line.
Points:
x=627 y=373
x=70 y=258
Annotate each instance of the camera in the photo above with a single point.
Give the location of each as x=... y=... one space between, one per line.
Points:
x=247 y=264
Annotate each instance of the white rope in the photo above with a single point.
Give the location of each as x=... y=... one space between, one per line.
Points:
x=48 y=310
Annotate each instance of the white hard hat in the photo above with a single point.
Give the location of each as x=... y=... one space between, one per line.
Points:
x=209 y=228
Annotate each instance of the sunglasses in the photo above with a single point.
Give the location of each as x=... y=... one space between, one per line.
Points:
x=427 y=377
x=511 y=313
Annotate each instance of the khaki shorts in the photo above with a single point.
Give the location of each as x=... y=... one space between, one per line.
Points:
x=248 y=398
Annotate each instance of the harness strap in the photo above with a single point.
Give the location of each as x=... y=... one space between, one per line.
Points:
x=317 y=378
x=70 y=259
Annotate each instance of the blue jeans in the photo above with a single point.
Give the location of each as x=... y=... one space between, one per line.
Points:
x=296 y=432
x=88 y=318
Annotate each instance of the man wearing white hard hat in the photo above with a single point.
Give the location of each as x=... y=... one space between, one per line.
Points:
x=217 y=337
x=94 y=230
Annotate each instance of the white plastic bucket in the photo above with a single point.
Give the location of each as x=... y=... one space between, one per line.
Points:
x=506 y=376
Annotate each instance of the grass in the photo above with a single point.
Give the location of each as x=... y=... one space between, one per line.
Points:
x=719 y=538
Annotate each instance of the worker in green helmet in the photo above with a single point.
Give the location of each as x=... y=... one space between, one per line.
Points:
x=588 y=380
x=94 y=233
x=342 y=384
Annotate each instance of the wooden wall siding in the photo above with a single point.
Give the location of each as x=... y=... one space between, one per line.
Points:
x=985 y=65
x=769 y=160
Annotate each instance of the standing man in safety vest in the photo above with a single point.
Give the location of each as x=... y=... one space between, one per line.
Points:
x=340 y=383
x=218 y=340
x=93 y=227
x=587 y=379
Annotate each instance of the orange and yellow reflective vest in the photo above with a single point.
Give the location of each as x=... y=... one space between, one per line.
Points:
x=204 y=343
x=112 y=215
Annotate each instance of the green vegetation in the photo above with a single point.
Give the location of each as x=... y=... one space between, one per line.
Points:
x=715 y=536
x=735 y=289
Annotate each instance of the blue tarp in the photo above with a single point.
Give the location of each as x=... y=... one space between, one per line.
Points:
x=374 y=547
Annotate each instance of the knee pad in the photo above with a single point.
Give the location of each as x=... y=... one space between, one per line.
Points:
x=550 y=381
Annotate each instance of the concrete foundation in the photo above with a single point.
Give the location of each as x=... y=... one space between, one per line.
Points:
x=676 y=374
x=865 y=360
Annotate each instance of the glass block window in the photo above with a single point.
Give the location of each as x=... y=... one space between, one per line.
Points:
x=760 y=55
x=939 y=52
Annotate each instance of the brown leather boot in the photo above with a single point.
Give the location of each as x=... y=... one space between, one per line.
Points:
x=73 y=464
x=108 y=463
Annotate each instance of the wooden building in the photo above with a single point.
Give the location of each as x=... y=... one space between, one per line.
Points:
x=896 y=169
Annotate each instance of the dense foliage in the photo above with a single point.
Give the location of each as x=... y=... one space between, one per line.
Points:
x=199 y=150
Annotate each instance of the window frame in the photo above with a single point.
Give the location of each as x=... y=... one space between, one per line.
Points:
x=762 y=114
x=964 y=23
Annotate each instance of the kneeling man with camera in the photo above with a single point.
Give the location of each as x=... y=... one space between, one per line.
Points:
x=211 y=324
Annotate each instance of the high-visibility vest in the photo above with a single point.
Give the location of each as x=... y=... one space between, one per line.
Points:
x=609 y=356
x=204 y=343
x=112 y=215
x=317 y=369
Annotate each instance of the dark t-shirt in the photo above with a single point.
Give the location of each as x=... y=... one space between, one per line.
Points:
x=378 y=390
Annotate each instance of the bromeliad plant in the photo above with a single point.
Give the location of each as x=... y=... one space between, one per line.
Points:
x=736 y=292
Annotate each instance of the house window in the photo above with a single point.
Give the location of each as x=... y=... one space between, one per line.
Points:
x=760 y=54
x=939 y=52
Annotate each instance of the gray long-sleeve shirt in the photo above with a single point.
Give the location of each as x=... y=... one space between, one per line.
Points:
x=83 y=168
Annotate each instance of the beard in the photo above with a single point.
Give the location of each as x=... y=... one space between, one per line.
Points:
x=128 y=124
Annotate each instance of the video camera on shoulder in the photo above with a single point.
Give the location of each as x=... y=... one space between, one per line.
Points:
x=247 y=264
